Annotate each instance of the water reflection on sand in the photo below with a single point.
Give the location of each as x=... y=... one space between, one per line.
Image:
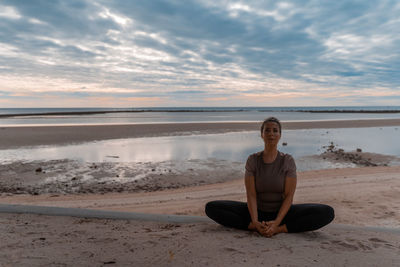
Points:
x=233 y=147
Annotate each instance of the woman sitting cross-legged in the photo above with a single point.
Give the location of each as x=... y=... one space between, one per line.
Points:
x=270 y=180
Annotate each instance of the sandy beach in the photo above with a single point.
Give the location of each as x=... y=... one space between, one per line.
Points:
x=33 y=240
x=361 y=196
x=366 y=202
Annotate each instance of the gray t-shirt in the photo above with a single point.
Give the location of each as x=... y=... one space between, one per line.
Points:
x=270 y=179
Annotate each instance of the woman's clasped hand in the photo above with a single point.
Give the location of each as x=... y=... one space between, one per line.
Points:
x=267 y=229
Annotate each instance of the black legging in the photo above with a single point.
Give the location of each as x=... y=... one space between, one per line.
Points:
x=299 y=218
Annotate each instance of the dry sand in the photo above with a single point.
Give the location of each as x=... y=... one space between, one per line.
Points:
x=362 y=198
x=33 y=240
x=366 y=196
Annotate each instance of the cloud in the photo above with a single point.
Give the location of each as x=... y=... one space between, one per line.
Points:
x=9 y=12
x=199 y=51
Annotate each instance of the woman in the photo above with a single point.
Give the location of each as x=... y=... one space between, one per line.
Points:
x=270 y=180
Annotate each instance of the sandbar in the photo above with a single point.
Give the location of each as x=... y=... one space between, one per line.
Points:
x=18 y=136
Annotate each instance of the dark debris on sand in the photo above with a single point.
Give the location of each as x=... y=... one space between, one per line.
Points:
x=358 y=158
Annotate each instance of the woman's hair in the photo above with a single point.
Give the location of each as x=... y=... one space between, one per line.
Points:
x=271 y=119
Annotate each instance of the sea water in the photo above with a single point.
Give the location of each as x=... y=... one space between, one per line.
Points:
x=79 y=116
x=233 y=147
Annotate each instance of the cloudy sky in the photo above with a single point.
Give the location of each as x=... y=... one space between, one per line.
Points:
x=102 y=53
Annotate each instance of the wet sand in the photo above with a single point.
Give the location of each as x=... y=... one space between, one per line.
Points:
x=18 y=136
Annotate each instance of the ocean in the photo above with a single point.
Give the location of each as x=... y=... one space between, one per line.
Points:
x=227 y=147
x=89 y=116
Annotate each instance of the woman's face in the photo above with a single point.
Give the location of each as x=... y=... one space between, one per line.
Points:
x=270 y=134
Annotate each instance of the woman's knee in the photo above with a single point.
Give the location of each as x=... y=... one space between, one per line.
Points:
x=211 y=208
x=329 y=213
x=326 y=213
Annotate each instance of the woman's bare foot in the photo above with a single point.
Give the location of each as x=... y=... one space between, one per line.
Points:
x=252 y=226
x=282 y=229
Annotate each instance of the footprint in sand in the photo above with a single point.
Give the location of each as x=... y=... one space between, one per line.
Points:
x=363 y=246
x=169 y=226
x=376 y=243
x=239 y=236
x=233 y=250
x=374 y=239
x=386 y=215
x=345 y=245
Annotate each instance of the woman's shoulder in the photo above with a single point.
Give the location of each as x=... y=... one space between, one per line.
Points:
x=288 y=165
x=286 y=156
x=255 y=155
x=251 y=164
x=287 y=161
x=253 y=158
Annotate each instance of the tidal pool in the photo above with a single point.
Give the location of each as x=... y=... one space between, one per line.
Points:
x=234 y=147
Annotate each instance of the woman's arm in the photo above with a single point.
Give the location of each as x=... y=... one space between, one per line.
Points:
x=290 y=188
x=252 y=204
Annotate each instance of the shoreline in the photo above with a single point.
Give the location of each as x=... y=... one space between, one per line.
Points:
x=17 y=136
x=197 y=122
x=73 y=177
x=238 y=109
